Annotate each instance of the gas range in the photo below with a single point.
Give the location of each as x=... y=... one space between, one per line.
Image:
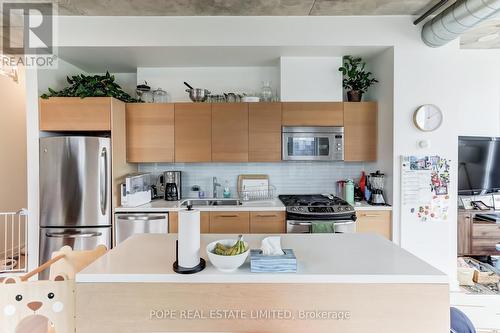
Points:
x=302 y=211
x=316 y=204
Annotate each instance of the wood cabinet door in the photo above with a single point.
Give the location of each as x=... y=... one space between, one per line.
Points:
x=313 y=114
x=375 y=221
x=229 y=223
x=173 y=222
x=464 y=233
x=75 y=114
x=264 y=132
x=230 y=132
x=360 y=131
x=150 y=132
x=193 y=132
x=267 y=222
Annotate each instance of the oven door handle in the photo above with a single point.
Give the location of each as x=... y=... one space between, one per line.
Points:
x=299 y=223
x=294 y=222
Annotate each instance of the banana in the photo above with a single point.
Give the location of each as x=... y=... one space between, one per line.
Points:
x=238 y=248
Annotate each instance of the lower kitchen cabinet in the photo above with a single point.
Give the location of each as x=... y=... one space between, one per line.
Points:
x=375 y=221
x=267 y=222
x=229 y=222
x=173 y=222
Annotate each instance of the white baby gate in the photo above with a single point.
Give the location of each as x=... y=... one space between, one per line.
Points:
x=13 y=242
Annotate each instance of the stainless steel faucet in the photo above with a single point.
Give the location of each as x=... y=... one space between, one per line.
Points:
x=215 y=185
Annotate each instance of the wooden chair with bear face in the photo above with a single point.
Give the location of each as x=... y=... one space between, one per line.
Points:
x=45 y=306
x=37 y=306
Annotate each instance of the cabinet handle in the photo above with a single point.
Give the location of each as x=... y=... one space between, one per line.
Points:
x=271 y=215
x=227 y=215
x=370 y=215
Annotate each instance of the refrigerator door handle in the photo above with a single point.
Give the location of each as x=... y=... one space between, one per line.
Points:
x=104 y=180
x=72 y=235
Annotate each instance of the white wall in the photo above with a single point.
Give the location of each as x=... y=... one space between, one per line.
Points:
x=311 y=79
x=216 y=79
x=421 y=75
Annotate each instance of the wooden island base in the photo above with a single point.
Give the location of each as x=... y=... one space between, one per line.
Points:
x=188 y=307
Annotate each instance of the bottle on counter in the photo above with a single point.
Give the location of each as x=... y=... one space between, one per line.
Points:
x=227 y=191
x=349 y=191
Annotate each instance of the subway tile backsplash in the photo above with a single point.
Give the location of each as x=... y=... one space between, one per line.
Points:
x=287 y=177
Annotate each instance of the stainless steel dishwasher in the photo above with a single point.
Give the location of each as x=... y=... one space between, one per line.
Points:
x=128 y=224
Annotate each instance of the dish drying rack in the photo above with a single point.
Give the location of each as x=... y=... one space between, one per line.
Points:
x=14 y=228
x=257 y=193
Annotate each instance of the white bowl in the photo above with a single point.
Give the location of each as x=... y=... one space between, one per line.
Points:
x=226 y=263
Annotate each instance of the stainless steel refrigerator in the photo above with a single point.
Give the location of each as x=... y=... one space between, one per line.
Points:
x=75 y=194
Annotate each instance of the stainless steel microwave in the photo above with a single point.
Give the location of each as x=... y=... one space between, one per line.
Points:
x=316 y=143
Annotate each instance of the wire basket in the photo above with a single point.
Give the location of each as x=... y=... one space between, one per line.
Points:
x=257 y=193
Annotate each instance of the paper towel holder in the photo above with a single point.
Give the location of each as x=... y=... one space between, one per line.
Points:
x=183 y=270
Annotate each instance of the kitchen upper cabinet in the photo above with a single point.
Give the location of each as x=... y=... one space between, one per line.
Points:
x=173 y=222
x=193 y=132
x=230 y=132
x=267 y=222
x=150 y=132
x=264 y=132
x=360 y=131
x=313 y=114
x=375 y=221
x=75 y=114
x=229 y=222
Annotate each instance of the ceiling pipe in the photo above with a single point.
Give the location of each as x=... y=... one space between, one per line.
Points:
x=457 y=19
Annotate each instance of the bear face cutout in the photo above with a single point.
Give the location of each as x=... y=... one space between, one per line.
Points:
x=50 y=299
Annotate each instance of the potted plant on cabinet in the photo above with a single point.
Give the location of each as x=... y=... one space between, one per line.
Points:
x=91 y=86
x=356 y=79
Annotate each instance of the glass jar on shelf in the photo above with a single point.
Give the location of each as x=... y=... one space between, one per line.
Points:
x=160 y=96
x=266 y=92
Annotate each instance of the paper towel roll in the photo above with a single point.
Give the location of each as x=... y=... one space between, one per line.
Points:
x=189 y=238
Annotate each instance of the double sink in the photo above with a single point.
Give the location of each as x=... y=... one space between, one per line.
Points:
x=210 y=202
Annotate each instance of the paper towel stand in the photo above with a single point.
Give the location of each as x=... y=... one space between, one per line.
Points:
x=183 y=270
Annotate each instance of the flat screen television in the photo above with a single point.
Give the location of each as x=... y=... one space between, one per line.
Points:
x=478 y=165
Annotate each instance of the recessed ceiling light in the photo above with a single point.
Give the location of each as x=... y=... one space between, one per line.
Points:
x=488 y=38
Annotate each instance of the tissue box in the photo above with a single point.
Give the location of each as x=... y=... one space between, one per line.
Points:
x=286 y=263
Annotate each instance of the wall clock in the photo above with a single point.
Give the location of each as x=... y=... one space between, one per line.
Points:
x=428 y=118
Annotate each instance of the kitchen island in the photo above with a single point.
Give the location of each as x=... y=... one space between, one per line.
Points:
x=344 y=283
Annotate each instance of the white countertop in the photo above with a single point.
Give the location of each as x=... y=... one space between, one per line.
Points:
x=363 y=205
x=322 y=258
x=160 y=205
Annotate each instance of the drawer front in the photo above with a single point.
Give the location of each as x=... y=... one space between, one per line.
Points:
x=229 y=222
x=480 y=230
x=485 y=246
x=267 y=222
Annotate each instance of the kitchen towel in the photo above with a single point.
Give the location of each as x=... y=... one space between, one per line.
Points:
x=326 y=227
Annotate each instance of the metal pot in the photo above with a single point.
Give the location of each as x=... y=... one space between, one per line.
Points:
x=198 y=94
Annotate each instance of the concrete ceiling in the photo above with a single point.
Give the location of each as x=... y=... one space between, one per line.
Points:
x=485 y=36
x=241 y=7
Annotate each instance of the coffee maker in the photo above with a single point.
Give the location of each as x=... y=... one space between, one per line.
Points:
x=376 y=181
x=173 y=185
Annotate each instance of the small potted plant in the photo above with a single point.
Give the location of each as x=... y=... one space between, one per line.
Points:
x=356 y=79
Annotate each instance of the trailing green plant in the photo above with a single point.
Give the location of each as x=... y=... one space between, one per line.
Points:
x=356 y=77
x=91 y=86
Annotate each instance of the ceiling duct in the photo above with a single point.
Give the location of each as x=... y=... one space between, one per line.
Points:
x=457 y=19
